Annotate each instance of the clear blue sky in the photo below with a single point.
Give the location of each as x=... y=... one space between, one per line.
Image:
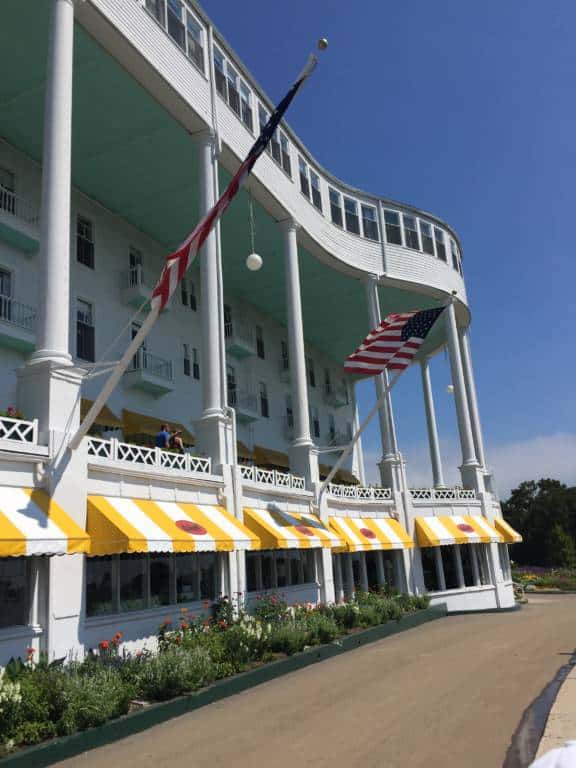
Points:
x=467 y=110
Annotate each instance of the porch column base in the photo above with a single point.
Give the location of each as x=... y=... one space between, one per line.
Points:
x=215 y=439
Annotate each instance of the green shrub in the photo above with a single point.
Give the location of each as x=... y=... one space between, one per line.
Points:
x=346 y=616
x=270 y=609
x=173 y=672
x=320 y=629
x=287 y=638
x=93 y=699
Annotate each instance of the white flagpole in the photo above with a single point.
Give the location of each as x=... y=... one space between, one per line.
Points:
x=349 y=448
x=115 y=377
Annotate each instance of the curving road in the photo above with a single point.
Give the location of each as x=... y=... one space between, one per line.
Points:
x=446 y=695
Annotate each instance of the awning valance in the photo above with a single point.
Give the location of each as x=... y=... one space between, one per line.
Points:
x=266 y=457
x=277 y=529
x=508 y=533
x=442 y=531
x=121 y=525
x=104 y=419
x=31 y=523
x=140 y=424
x=362 y=534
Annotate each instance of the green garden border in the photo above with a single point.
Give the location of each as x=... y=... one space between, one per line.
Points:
x=511 y=609
x=66 y=747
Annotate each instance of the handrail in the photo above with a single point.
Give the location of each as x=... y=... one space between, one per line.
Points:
x=114 y=450
x=18 y=206
x=17 y=313
x=359 y=492
x=157 y=366
x=19 y=430
x=272 y=477
x=442 y=494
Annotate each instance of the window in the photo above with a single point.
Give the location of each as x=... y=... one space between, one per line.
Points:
x=440 y=244
x=369 y=223
x=285 y=151
x=7 y=190
x=345 y=391
x=327 y=381
x=331 y=428
x=100 y=585
x=289 y=412
x=504 y=561
x=316 y=194
x=233 y=92
x=132 y=582
x=161 y=566
x=188 y=294
x=454 y=254
x=5 y=294
x=315 y=421
x=275 y=147
x=449 y=555
x=431 y=580
x=311 y=372
x=15 y=591
x=228 y=327
x=246 y=106
x=466 y=558
x=136 y=263
x=85 y=242
x=426 y=235
x=393 y=231
x=275 y=569
x=351 y=213
x=284 y=359
x=219 y=73
x=263 y=117
x=264 y=405
x=157 y=9
x=186 y=359
x=411 y=233
x=260 y=342
x=231 y=385
x=349 y=431
x=85 y=346
x=482 y=552
x=176 y=23
x=336 y=207
x=195 y=364
x=194 y=39
x=304 y=183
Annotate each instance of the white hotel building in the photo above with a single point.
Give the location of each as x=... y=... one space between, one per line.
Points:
x=120 y=122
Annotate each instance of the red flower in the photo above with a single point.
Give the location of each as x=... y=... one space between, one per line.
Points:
x=206 y=604
x=178 y=640
x=104 y=645
x=117 y=638
x=184 y=625
x=30 y=653
x=167 y=621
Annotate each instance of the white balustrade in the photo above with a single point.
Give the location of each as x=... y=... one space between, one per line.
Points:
x=18 y=430
x=135 y=277
x=114 y=450
x=18 y=206
x=17 y=313
x=272 y=477
x=442 y=494
x=359 y=492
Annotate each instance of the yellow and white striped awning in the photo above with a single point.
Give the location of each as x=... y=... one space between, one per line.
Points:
x=277 y=529
x=31 y=523
x=456 y=529
x=508 y=533
x=362 y=534
x=118 y=525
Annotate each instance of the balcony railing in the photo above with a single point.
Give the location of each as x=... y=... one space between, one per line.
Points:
x=335 y=396
x=336 y=437
x=240 y=339
x=16 y=313
x=359 y=492
x=442 y=494
x=19 y=430
x=18 y=207
x=273 y=477
x=114 y=450
x=157 y=366
x=136 y=277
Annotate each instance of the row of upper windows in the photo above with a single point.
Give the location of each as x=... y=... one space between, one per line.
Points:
x=355 y=216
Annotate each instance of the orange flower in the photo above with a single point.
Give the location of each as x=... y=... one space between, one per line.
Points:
x=30 y=653
x=117 y=638
x=184 y=611
x=206 y=603
x=184 y=625
x=104 y=645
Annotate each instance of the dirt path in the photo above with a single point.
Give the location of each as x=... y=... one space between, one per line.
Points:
x=449 y=694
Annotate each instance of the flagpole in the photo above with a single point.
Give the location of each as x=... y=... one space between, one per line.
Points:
x=115 y=376
x=349 y=448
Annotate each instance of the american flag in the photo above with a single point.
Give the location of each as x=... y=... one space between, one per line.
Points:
x=393 y=344
x=178 y=262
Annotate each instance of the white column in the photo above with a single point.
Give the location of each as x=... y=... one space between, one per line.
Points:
x=338 y=584
x=53 y=315
x=463 y=415
x=349 y=581
x=363 y=572
x=472 y=396
x=300 y=453
x=386 y=415
x=433 y=442
x=212 y=427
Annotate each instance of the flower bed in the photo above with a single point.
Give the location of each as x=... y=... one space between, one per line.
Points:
x=41 y=700
x=535 y=578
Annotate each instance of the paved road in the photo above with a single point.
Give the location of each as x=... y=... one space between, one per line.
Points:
x=449 y=694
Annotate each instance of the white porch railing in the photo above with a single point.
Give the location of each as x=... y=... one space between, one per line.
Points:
x=136 y=277
x=239 y=331
x=114 y=450
x=273 y=477
x=17 y=313
x=359 y=492
x=19 y=430
x=442 y=494
x=157 y=366
x=19 y=207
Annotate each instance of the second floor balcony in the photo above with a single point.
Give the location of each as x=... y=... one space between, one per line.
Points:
x=240 y=339
x=245 y=403
x=19 y=221
x=336 y=396
x=17 y=324
x=136 y=285
x=150 y=373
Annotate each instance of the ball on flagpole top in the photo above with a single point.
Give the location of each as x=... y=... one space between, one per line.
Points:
x=322 y=44
x=254 y=262
x=450 y=389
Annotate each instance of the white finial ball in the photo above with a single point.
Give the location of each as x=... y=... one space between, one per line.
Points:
x=450 y=389
x=254 y=262
x=322 y=44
